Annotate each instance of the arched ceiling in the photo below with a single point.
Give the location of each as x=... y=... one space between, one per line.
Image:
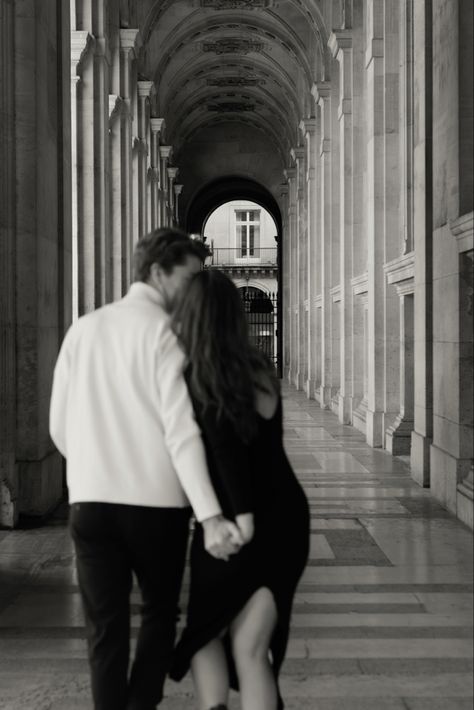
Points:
x=244 y=66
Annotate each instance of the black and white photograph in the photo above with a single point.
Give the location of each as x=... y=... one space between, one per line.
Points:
x=236 y=354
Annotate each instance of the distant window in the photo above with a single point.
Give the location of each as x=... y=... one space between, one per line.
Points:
x=248 y=232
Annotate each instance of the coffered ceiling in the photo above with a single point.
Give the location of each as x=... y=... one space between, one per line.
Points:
x=234 y=69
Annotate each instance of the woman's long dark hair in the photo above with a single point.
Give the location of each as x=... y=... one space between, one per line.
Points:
x=225 y=370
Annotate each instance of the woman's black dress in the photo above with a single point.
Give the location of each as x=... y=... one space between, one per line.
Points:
x=254 y=478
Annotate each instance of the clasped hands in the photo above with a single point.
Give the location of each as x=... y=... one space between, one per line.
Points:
x=223 y=537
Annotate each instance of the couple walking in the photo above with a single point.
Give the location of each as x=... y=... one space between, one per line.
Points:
x=160 y=405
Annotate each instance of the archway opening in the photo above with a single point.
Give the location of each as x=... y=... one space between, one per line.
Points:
x=241 y=223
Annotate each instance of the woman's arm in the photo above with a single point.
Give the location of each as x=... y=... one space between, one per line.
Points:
x=231 y=459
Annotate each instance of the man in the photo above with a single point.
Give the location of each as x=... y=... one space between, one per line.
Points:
x=121 y=415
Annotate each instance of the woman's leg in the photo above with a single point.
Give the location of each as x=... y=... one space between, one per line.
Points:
x=210 y=676
x=251 y=633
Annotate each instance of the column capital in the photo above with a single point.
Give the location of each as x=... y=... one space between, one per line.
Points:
x=308 y=125
x=166 y=151
x=144 y=88
x=115 y=106
x=289 y=173
x=178 y=189
x=321 y=91
x=172 y=172
x=339 y=40
x=297 y=153
x=156 y=124
x=130 y=40
x=81 y=43
x=284 y=189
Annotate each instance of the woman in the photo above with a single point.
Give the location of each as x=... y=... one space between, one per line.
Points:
x=239 y=608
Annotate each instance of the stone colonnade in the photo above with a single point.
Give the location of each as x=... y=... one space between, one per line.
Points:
x=377 y=208
x=84 y=173
x=123 y=183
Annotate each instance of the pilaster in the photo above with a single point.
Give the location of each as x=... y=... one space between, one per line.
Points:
x=298 y=155
x=290 y=174
x=308 y=128
x=165 y=155
x=340 y=43
x=375 y=220
x=322 y=94
x=156 y=126
x=178 y=189
x=144 y=89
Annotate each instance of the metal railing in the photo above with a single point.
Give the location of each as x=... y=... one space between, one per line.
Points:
x=259 y=256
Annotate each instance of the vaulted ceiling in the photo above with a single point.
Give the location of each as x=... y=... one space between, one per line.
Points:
x=233 y=80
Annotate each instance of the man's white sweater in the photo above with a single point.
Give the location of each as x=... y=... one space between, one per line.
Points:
x=121 y=414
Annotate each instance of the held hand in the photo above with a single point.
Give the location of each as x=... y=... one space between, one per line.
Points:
x=246 y=525
x=221 y=537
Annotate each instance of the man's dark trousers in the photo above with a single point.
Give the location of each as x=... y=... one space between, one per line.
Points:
x=111 y=542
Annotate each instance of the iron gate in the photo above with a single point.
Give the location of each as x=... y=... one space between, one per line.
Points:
x=261 y=310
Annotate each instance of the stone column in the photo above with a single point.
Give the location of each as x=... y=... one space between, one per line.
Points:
x=35 y=246
x=299 y=272
x=118 y=212
x=144 y=91
x=93 y=179
x=172 y=175
x=129 y=39
x=453 y=251
x=340 y=43
x=322 y=95
x=81 y=42
x=400 y=273
x=308 y=128
x=422 y=237
x=284 y=300
x=9 y=487
x=178 y=189
x=290 y=174
x=359 y=212
x=156 y=125
x=165 y=155
x=375 y=220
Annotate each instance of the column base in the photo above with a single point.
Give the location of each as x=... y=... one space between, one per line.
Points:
x=359 y=417
x=325 y=397
x=41 y=484
x=448 y=479
x=9 y=509
x=398 y=437
x=345 y=409
x=310 y=388
x=465 y=500
x=420 y=459
x=375 y=428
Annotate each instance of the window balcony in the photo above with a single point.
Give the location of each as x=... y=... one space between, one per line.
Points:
x=240 y=257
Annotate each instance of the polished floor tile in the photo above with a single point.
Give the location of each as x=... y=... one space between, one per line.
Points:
x=382 y=618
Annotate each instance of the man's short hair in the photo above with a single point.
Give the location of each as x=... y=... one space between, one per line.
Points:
x=167 y=248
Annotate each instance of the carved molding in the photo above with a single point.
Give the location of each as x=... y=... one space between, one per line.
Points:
x=237 y=81
x=230 y=106
x=360 y=284
x=144 y=88
x=236 y=4
x=81 y=42
x=463 y=230
x=401 y=269
x=116 y=103
x=233 y=45
x=156 y=124
x=335 y=293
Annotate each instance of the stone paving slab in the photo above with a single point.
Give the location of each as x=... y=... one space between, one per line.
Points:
x=382 y=618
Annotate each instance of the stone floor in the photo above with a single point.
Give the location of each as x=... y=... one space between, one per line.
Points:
x=383 y=615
